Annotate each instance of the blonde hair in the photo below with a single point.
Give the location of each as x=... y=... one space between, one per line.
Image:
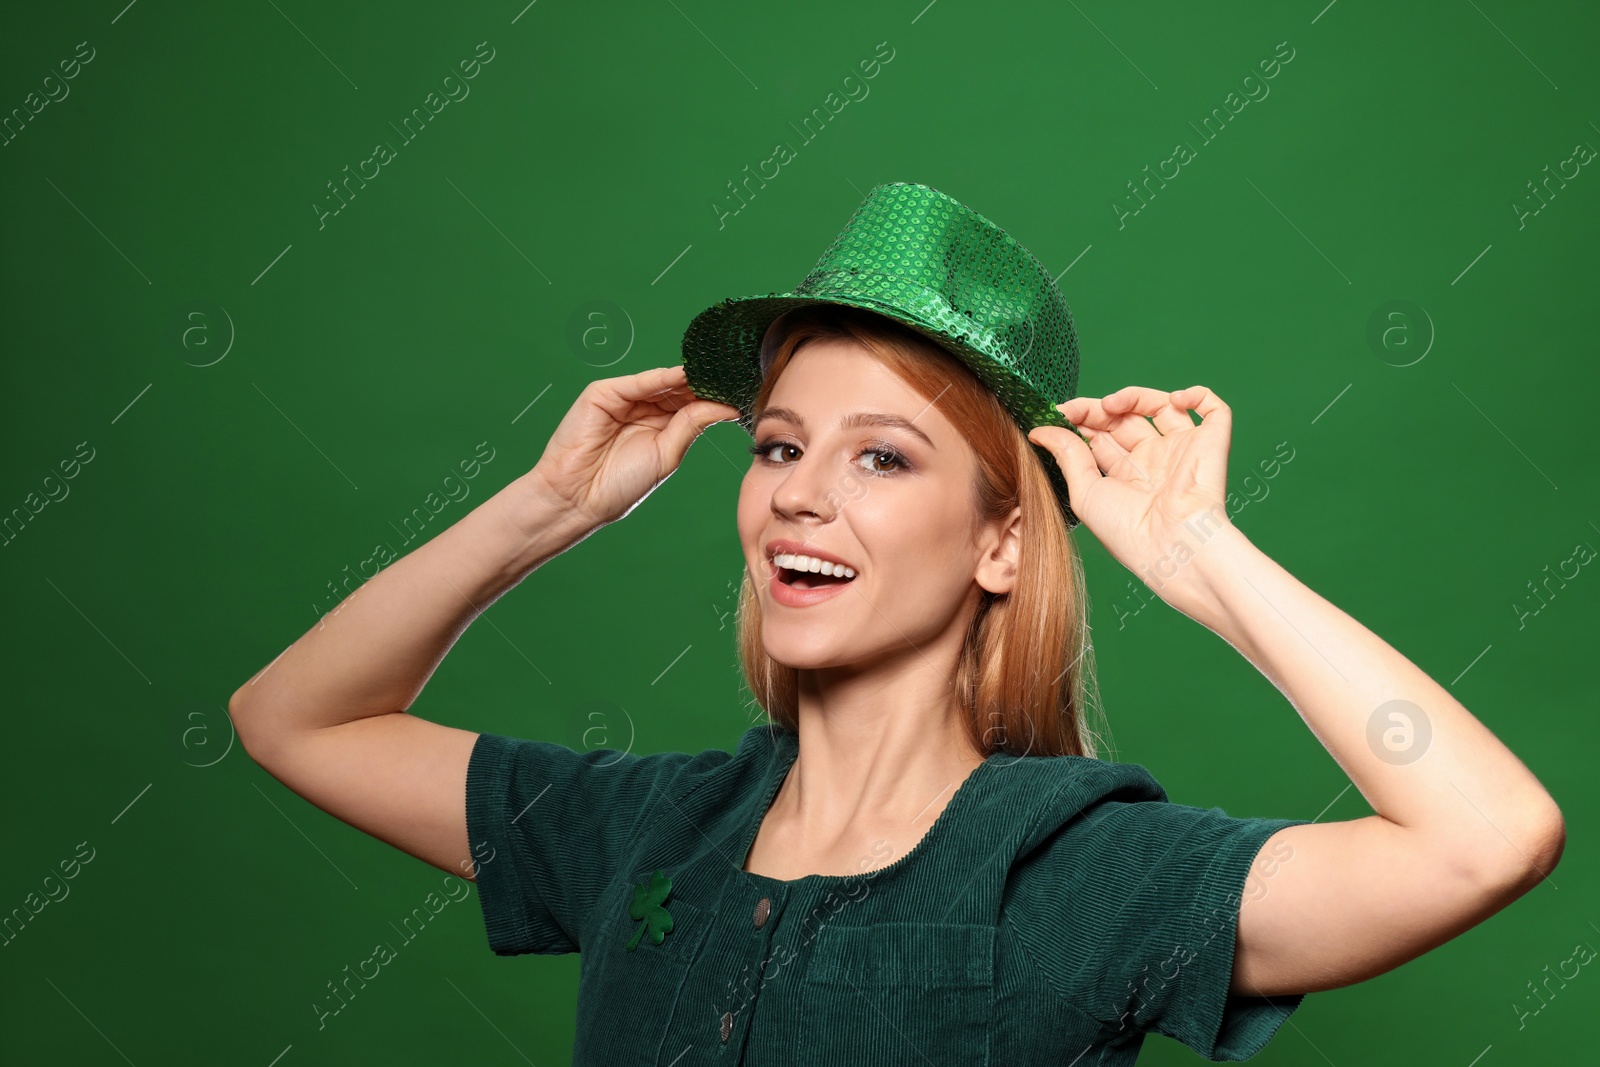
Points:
x=1026 y=670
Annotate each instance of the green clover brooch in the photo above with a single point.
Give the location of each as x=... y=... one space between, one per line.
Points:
x=647 y=900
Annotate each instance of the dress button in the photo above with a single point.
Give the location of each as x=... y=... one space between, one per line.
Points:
x=727 y=1026
x=763 y=909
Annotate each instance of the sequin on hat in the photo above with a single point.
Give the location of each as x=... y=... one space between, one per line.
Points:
x=921 y=257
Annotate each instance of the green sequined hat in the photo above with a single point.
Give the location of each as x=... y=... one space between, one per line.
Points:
x=921 y=257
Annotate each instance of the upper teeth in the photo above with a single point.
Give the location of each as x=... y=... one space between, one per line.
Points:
x=813 y=564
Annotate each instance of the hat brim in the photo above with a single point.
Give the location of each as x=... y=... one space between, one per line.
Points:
x=723 y=361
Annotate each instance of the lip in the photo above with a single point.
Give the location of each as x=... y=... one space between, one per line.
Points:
x=784 y=546
x=788 y=595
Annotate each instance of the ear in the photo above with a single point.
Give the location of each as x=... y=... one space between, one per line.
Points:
x=997 y=570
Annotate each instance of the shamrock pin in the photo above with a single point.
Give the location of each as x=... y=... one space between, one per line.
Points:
x=647 y=899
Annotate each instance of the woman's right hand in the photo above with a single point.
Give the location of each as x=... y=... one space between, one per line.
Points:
x=621 y=439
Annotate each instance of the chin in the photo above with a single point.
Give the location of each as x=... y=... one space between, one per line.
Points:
x=805 y=655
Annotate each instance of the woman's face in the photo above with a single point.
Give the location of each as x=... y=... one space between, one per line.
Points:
x=892 y=498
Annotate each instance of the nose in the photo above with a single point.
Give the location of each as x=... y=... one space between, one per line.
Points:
x=806 y=490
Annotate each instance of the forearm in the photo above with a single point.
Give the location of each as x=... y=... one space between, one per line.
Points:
x=373 y=652
x=1420 y=758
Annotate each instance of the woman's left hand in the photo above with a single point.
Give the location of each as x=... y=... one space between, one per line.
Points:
x=1156 y=477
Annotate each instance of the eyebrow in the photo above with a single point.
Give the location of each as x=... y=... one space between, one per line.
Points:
x=852 y=421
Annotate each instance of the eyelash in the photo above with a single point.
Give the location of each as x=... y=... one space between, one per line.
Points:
x=881 y=448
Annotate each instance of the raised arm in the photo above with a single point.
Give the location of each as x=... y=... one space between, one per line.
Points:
x=1462 y=827
x=328 y=717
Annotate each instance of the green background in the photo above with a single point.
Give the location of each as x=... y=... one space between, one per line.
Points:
x=267 y=396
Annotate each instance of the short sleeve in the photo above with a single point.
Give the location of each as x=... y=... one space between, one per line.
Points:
x=549 y=827
x=1132 y=910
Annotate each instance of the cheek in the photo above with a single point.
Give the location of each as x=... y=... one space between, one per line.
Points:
x=912 y=526
x=922 y=583
x=751 y=504
x=929 y=559
x=753 y=510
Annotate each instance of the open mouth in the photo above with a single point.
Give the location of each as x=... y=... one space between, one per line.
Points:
x=809 y=579
x=804 y=571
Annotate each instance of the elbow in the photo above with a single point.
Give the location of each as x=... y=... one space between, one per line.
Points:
x=246 y=727
x=1537 y=850
x=1551 y=840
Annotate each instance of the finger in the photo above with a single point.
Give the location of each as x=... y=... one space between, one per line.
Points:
x=657 y=381
x=688 y=423
x=1072 y=455
x=641 y=397
x=1151 y=403
x=1108 y=415
x=1207 y=405
x=675 y=390
x=1115 y=460
x=1084 y=411
x=658 y=378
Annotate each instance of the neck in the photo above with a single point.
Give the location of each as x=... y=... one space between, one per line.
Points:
x=877 y=763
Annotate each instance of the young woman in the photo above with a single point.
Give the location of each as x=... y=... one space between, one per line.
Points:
x=919 y=858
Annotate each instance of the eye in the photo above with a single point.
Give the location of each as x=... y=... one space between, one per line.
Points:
x=876 y=452
x=887 y=455
x=763 y=450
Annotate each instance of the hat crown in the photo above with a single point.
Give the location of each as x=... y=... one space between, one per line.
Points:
x=913 y=248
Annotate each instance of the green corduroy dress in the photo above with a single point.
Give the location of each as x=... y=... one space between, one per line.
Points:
x=1058 y=909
